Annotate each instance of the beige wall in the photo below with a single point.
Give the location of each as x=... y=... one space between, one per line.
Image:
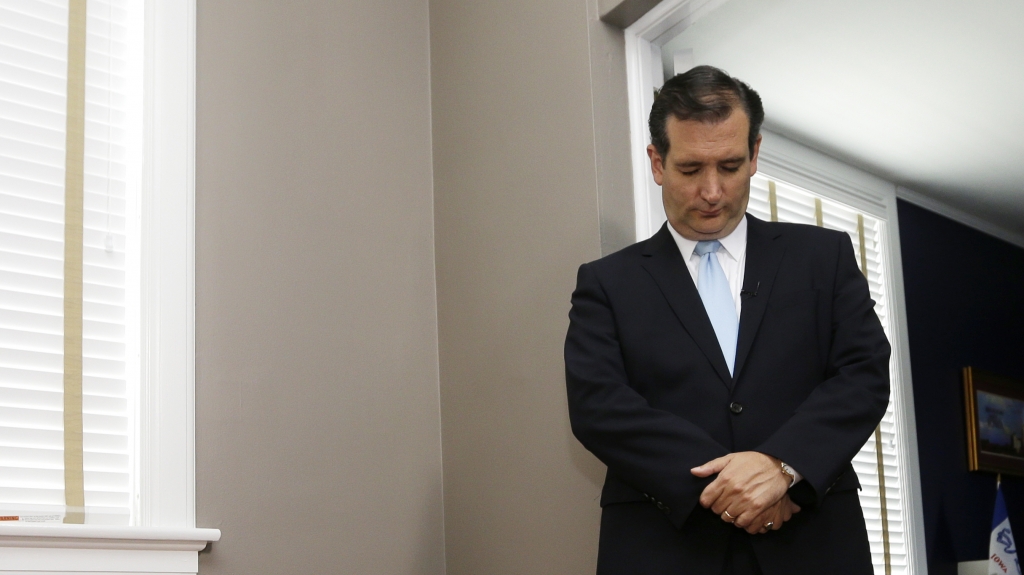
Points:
x=319 y=428
x=318 y=440
x=517 y=172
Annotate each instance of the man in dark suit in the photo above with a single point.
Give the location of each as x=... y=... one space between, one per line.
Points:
x=726 y=370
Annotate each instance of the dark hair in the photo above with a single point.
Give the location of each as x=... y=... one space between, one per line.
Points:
x=705 y=94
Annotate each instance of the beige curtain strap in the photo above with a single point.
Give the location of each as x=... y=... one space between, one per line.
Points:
x=773 y=205
x=74 y=168
x=819 y=215
x=884 y=504
x=863 y=245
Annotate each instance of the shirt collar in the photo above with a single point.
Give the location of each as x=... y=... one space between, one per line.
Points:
x=733 y=244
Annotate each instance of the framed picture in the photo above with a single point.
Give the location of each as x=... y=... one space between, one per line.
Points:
x=995 y=422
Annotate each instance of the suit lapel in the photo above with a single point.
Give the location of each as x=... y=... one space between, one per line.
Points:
x=764 y=254
x=665 y=264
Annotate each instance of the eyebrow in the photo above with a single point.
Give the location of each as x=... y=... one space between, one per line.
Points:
x=694 y=164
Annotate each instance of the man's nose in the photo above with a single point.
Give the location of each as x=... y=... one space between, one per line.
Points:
x=711 y=189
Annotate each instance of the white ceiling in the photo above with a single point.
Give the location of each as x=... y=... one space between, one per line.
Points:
x=927 y=94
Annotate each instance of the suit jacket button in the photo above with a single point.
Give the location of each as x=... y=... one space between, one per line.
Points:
x=735 y=408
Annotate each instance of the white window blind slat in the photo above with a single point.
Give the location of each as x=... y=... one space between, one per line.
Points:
x=109 y=194
x=98 y=257
x=34 y=360
x=106 y=482
x=104 y=499
x=100 y=253
x=13 y=188
x=32 y=440
x=103 y=424
x=110 y=462
x=34 y=340
x=40 y=44
x=102 y=161
x=32 y=171
x=34 y=477
x=30 y=398
x=26 y=149
x=20 y=127
x=106 y=442
x=795 y=212
x=95 y=367
x=104 y=330
x=37 y=501
x=103 y=275
x=29 y=105
x=29 y=379
x=100 y=294
x=49 y=12
x=23 y=340
x=104 y=405
x=32 y=126
x=105 y=357
x=101 y=164
x=35 y=16
x=111 y=351
x=30 y=303
x=28 y=418
x=43 y=64
x=18 y=73
x=107 y=102
x=15 y=457
x=105 y=386
x=30 y=246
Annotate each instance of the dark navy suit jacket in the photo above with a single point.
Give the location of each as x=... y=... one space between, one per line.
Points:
x=651 y=396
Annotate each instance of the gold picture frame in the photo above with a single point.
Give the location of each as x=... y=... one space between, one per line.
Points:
x=995 y=422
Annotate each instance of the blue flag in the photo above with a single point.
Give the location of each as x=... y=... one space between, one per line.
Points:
x=1002 y=552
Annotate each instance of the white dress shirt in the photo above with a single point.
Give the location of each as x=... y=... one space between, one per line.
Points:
x=732 y=256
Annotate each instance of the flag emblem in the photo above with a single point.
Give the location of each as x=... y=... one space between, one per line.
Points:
x=1002 y=551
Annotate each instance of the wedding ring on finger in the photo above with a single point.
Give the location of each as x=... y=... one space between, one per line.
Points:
x=769 y=525
x=726 y=516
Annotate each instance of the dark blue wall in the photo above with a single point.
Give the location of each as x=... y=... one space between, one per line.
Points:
x=965 y=307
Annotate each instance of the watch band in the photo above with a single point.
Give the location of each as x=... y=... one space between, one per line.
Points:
x=788 y=471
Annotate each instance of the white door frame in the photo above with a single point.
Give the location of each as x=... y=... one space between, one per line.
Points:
x=644 y=40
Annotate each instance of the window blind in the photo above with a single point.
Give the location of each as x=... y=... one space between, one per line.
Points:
x=33 y=113
x=884 y=515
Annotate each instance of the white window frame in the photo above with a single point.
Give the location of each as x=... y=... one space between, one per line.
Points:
x=164 y=538
x=801 y=166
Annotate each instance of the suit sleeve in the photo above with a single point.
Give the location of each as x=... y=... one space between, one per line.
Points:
x=839 y=416
x=650 y=449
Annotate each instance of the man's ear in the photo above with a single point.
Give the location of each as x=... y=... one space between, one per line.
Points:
x=657 y=164
x=753 y=159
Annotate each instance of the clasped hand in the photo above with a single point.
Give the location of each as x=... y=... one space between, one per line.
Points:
x=751 y=488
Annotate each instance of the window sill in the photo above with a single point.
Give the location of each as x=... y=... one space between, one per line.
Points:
x=101 y=549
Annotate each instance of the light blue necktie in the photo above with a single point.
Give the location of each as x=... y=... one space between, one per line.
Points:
x=713 y=288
